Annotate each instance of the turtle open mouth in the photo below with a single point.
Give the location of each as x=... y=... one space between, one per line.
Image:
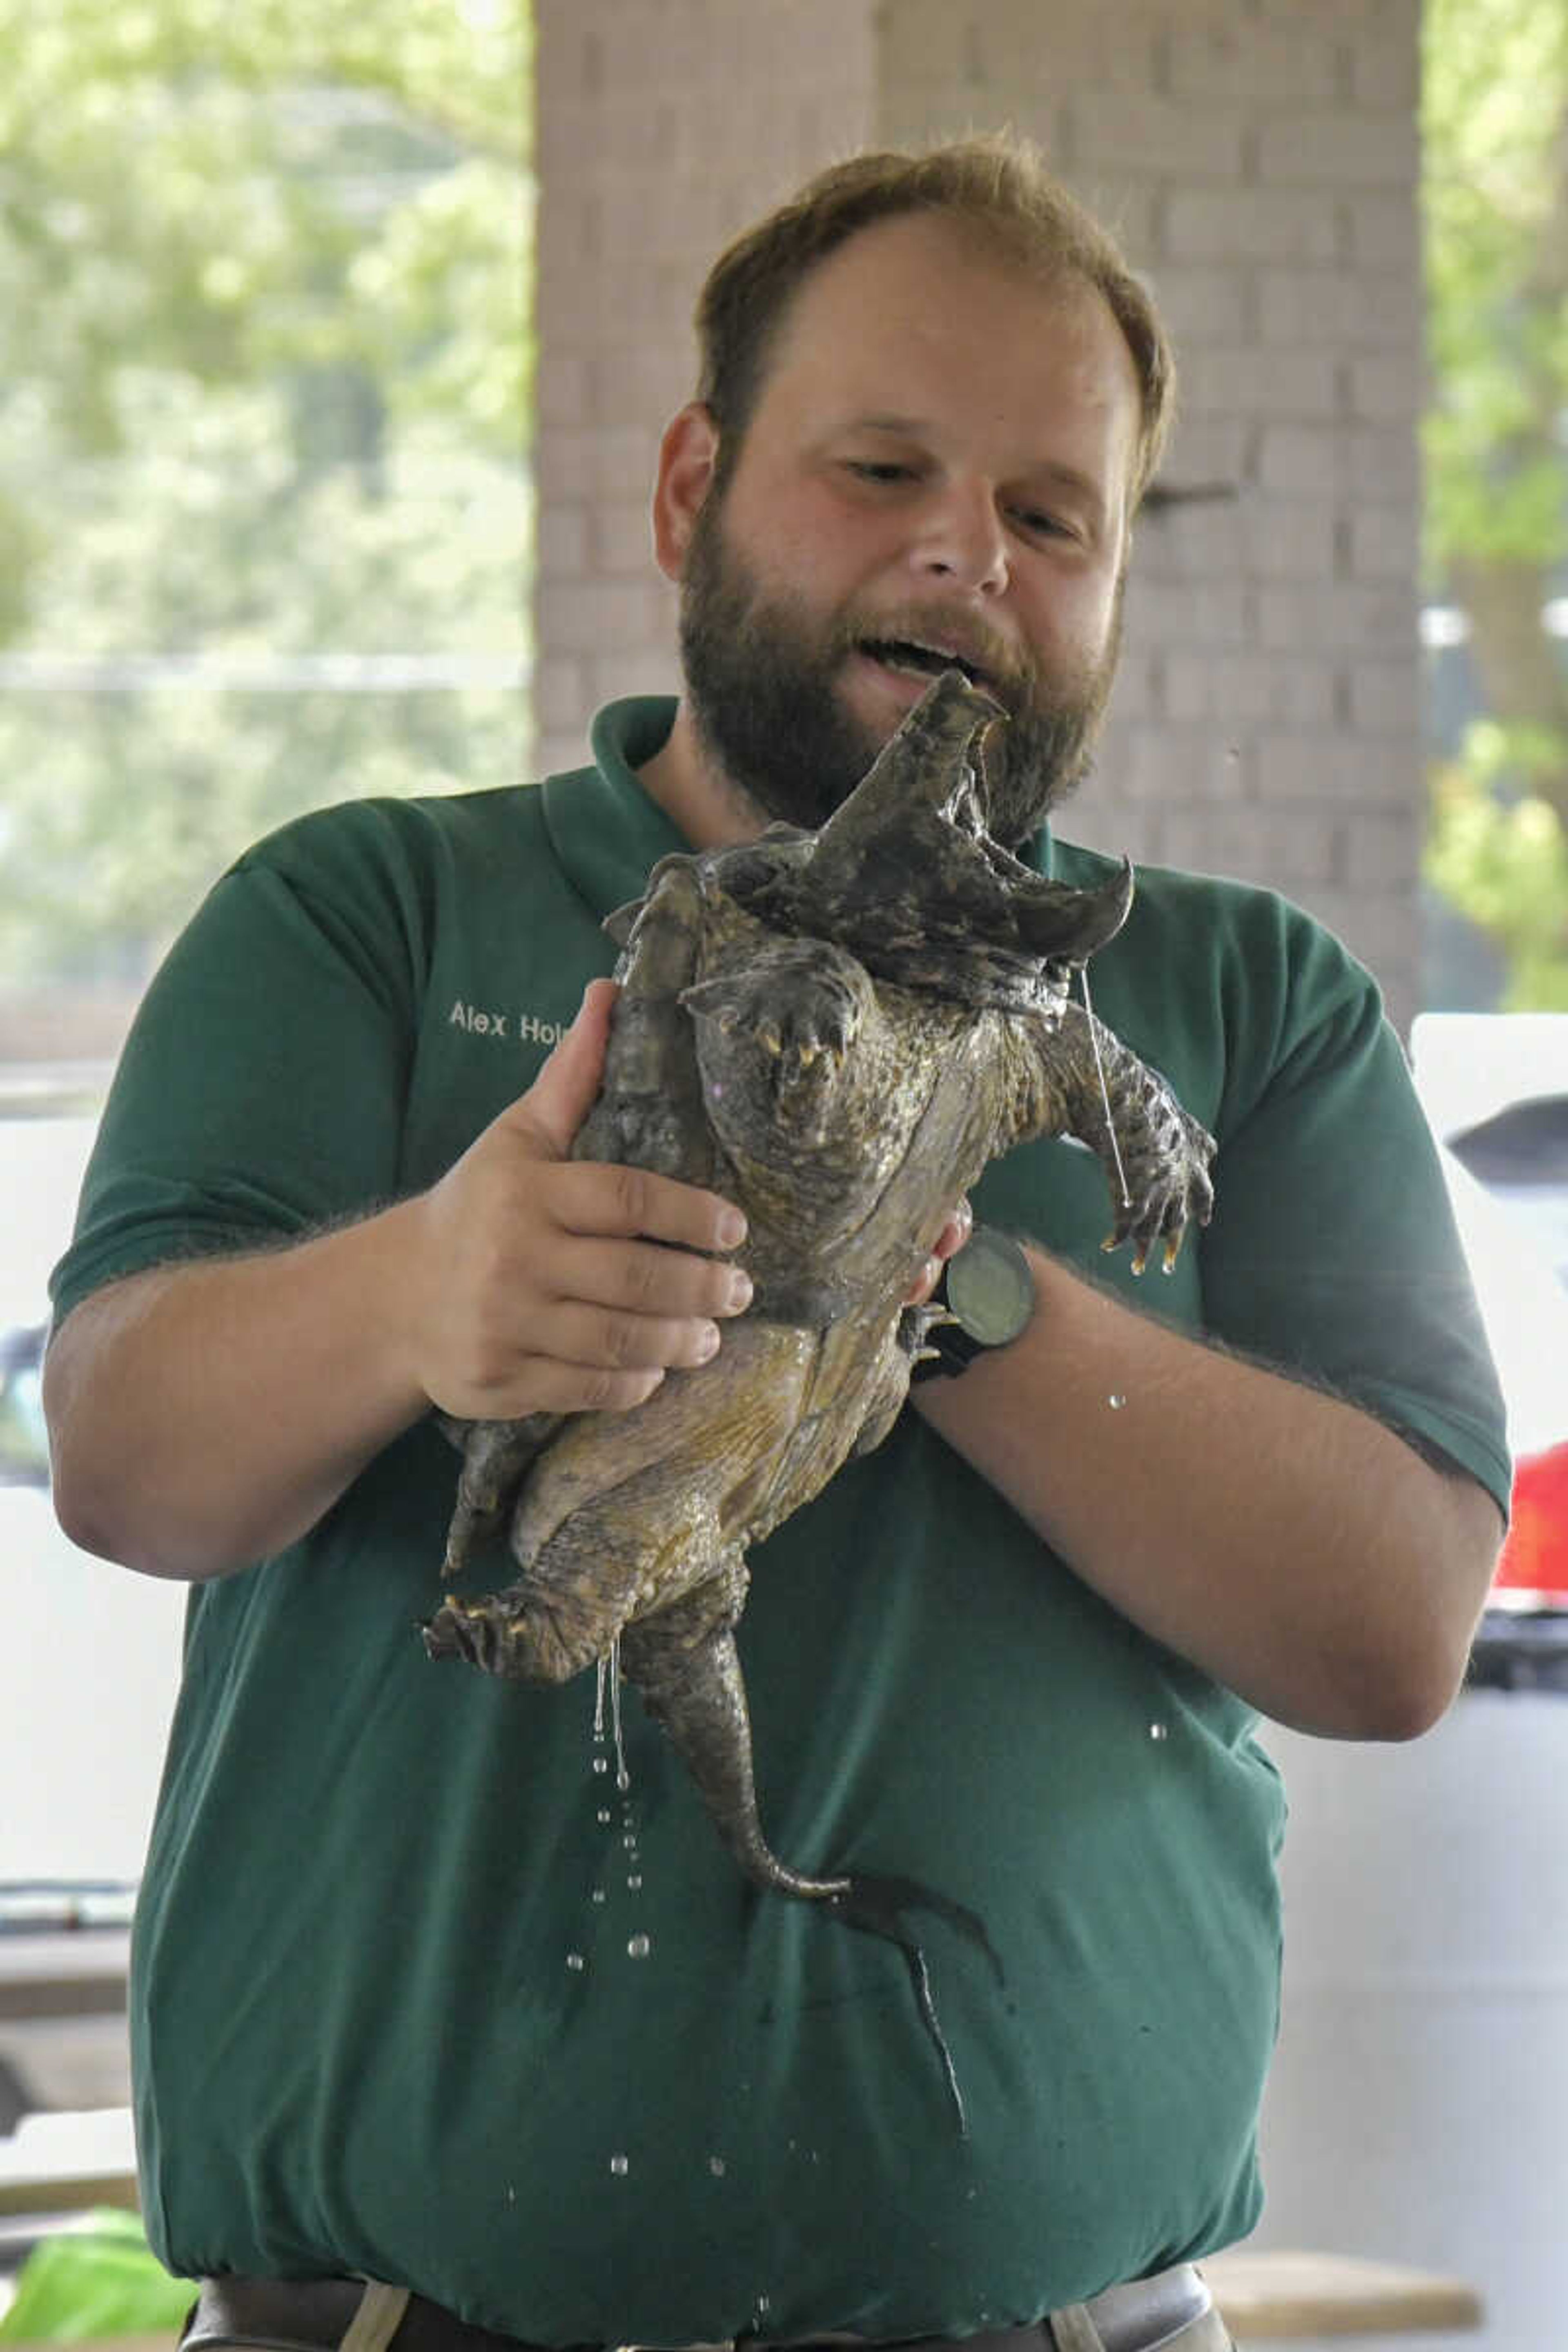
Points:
x=906 y=653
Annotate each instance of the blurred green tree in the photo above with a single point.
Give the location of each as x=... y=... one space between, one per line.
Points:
x=264 y=499
x=1495 y=129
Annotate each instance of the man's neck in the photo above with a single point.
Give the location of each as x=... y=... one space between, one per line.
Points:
x=695 y=793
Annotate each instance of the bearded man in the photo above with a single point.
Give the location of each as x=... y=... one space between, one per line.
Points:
x=397 y=2018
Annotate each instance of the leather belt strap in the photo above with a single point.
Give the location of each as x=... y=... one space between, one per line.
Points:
x=381 y=2313
x=1173 y=2308
x=254 y=2314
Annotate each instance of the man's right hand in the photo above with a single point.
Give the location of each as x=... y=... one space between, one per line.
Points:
x=538 y=1283
x=204 y=1414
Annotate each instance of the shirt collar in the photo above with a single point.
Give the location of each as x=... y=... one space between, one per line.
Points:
x=605 y=829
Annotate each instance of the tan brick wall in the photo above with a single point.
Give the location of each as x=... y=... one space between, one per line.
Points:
x=1258 y=158
x=665 y=126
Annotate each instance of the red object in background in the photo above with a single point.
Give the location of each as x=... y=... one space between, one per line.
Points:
x=1535 y=1556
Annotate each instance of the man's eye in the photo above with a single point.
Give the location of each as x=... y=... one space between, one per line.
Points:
x=880 y=470
x=1042 y=525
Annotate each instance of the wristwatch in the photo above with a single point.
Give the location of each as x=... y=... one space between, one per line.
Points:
x=988 y=1290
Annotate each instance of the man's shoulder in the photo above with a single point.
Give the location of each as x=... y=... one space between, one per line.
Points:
x=1191 y=893
x=1219 y=921
x=386 y=831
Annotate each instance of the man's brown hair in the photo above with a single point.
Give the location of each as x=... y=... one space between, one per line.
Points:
x=997 y=186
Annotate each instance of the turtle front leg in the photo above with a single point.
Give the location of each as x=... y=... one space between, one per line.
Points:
x=649 y=1111
x=1155 y=1157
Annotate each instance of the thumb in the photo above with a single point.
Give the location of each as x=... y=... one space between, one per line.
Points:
x=562 y=1094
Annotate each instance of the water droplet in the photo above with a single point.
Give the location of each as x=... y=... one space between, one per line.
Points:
x=1116 y=1402
x=640 y=1946
x=601 y=1763
x=603 y=1814
x=598 y=1894
x=575 y=1962
x=716 y=2166
x=629 y=1840
x=623 y=1778
x=634 y=1880
x=1158 y=1731
x=620 y=2165
x=511 y=2194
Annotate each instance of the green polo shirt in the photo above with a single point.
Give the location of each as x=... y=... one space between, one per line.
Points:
x=416 y=1993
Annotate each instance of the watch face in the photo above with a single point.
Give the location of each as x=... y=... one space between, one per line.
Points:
x=990 y=1287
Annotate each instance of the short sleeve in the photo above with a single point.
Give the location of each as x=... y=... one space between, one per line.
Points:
x=259 y=1094
x=1334 y=1252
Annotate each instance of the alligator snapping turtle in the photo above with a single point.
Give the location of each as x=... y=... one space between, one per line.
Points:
x=836 y=1029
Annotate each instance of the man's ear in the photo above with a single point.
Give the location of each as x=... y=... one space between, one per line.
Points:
x=687 y=456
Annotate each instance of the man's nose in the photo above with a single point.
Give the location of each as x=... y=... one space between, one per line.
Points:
x=963 y=538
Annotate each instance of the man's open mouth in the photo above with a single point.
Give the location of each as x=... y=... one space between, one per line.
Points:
x=929 y=661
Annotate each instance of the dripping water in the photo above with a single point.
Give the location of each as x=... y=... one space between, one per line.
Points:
x=623 y=1778
x=1104 y=1089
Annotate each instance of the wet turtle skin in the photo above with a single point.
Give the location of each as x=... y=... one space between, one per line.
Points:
x=837 y=1030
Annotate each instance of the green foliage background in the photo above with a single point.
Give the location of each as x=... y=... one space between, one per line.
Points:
x=1495 y=131
x=265 y=402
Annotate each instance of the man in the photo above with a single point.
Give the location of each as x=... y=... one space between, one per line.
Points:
x=413 y=2002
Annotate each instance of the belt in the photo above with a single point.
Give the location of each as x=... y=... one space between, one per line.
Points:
x=255 y=2315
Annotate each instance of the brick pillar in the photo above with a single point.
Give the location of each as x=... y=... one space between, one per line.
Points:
x=665 y=126
x=1258 y=159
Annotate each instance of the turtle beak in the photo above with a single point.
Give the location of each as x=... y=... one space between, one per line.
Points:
x=923 y=762
x=899 y=859
x=917 y=772
x=1059 y=922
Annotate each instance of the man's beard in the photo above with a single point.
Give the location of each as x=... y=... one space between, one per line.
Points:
x=760 y=674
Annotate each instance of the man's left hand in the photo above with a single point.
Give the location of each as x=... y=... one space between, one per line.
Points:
x=949 y=1242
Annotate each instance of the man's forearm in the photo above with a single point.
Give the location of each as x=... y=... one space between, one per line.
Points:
x=204 y=1415
x=1283 y=1540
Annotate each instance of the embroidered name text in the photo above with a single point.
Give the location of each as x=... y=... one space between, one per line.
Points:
x=480 y=1025
x=530 y=1029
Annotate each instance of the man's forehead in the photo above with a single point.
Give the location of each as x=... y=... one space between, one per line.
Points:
x=888 y=293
